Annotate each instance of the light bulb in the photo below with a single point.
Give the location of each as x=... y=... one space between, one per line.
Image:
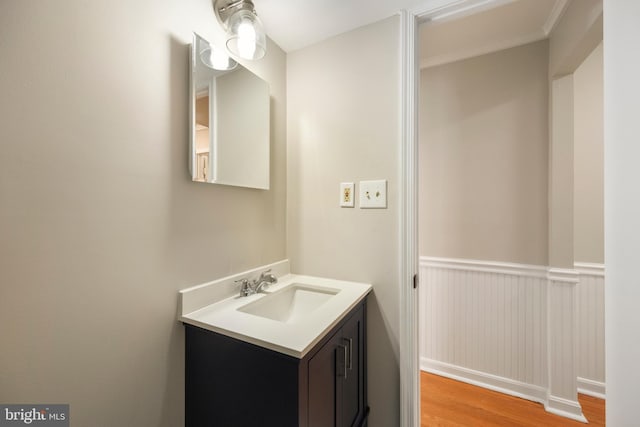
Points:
x=245 y=36
x=246 y=39
x=217 y=59
x=220 y=60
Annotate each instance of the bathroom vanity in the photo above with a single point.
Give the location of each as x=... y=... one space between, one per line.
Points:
x=294 y=355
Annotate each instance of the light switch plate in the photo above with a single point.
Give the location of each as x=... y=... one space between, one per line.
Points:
x=373 y=194
x=347 y=195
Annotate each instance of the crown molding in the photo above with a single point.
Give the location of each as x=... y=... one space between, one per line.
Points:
x=461 y=9
x=554 y=16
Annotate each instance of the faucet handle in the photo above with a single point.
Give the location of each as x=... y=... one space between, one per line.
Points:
x=268 y=276
x=264 y=273
x=244 y=286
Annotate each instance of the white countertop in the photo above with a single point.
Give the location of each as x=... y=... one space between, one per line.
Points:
x=295 y=338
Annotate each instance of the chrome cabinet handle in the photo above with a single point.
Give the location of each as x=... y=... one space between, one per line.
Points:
x=344 y=361
x=350 y=365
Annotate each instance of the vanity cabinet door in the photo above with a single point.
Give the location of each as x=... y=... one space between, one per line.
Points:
x=337 y=377
x=323 y=384
x=352 y=382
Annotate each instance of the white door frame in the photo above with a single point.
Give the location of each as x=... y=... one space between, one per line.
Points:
x=409 y=353
x=409 y=80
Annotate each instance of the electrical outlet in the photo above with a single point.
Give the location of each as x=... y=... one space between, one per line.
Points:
x=373 y=194
x=346 y=194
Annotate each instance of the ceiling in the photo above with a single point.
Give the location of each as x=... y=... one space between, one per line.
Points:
x=294 y=24
x=511 y=24
x=472 y=27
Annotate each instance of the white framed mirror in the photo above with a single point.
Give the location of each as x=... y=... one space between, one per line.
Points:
x=229 y=120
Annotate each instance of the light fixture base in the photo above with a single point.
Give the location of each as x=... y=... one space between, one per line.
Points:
x=225 y=8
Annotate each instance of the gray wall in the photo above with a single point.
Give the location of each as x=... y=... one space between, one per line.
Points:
x=100 y=224
x=483 y=157
x=588 y=151
x=342 y=125
x=575 y=36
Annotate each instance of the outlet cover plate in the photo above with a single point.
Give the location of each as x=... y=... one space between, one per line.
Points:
x=347 y=195
x=373 y=194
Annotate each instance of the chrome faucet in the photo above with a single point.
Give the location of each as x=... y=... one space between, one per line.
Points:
x=257 y=285
x=265 y=279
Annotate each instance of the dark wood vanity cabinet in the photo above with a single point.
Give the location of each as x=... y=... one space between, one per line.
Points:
x=337 y=377
x=229 y=382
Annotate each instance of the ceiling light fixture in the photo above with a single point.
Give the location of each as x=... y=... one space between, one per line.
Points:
x=245 y=36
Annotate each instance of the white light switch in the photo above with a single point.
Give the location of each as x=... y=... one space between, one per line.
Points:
x=373 y=194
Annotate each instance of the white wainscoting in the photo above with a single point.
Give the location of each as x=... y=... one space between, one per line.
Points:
x=562 y=344
x=485 y=323
x=485 y=317
x=590 y=298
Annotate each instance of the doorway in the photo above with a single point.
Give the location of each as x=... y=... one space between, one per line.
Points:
x=526 y=263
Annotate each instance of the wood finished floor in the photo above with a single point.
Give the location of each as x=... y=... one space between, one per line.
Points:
x=449 y=403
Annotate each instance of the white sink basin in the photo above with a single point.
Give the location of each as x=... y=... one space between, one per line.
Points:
x=290 y=304
x=290 y=317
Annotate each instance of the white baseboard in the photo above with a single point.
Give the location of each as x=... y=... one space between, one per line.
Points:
x=592 y=388
x=485 y=380
x=565 y=408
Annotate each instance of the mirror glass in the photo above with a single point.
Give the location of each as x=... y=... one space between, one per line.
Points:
x=229 y=120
